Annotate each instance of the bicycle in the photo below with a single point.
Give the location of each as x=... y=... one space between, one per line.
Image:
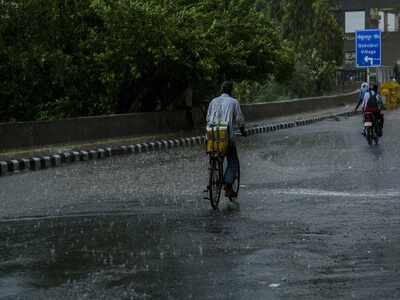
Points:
x=217 y=147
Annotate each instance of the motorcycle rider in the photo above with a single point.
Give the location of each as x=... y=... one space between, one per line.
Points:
x=372 y=103
x=363 y=91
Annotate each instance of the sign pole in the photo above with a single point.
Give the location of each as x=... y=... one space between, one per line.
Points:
x=368 y=50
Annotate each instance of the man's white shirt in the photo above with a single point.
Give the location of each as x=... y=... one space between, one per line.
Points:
x=225 y=110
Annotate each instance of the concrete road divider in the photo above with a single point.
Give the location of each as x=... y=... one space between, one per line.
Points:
x=3 y=168
x=13 y=166
x=101 y=153
x=39 y=163
x=35 y=163
x=93 y=154
x=83 y=155
x=45 y=162
x=55 y=160
x=24 y=164
x=32 y=134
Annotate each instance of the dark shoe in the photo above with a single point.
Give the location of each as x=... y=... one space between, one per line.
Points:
x=229 y=192
x=234 y=195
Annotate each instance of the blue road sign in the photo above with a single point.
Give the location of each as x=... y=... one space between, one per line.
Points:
x=368 y=48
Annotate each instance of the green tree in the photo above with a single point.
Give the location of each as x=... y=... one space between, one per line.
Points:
x=47 y=70
x=317 y=38
x=64 y=58
x=169 y=45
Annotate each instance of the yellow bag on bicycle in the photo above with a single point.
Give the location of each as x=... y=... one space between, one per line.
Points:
x=217 y=139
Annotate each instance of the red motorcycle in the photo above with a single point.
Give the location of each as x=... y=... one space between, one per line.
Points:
x=372 y=128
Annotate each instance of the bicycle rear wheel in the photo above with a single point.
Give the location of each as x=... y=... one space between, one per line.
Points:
x=215 y=182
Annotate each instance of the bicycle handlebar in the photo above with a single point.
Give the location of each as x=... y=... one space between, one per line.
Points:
x=239 y=133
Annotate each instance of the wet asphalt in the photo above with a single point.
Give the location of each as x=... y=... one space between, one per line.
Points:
x=317 y=218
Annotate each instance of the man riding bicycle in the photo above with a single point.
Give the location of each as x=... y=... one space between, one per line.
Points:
x=226 y=110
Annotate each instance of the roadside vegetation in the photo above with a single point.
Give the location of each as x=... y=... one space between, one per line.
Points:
x=62 y=58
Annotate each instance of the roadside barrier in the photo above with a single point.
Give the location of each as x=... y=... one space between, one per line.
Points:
x=17 y=166
x=83 y=129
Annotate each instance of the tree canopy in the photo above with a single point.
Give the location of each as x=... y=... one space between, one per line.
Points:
x=66 y=58
x=317 y=39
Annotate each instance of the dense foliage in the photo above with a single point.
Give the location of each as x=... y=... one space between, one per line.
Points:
x=63 y=58
x=66 y=58
x=316 y=38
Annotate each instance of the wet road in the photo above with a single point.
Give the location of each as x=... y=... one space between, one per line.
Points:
x=318 y=219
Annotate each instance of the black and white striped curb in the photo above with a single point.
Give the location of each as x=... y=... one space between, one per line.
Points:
x=45 y=162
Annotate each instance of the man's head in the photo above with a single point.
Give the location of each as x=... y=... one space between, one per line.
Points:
x=227 y=88
x=375 y=88
x=364 y=86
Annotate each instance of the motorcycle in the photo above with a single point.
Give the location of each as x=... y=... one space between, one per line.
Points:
x=372 y=128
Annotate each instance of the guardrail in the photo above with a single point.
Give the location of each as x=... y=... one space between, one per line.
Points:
x=17 y=166
x=254 y=112
x=33 y=134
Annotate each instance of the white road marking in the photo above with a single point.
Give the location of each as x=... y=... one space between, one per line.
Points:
x=324 y=193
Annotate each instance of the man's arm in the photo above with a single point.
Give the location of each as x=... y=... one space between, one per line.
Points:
x=209 y=113
x=365 y=101
x=360 y=101
x=239 y=119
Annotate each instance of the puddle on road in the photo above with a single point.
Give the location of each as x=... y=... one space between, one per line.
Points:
x=128 y=254
x=12 y=286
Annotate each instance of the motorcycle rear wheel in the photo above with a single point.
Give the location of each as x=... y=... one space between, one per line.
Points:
x=369 y=135
x=376 y=134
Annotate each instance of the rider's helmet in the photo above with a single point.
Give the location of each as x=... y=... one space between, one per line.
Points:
x=364 y=86
x=363 y=90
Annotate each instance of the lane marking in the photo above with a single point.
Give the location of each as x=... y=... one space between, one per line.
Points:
x=325 y=193
x=82 y=216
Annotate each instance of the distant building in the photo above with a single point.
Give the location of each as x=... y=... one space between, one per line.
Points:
x=356 y=15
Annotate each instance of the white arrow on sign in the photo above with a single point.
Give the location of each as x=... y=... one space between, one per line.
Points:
x=369 y=60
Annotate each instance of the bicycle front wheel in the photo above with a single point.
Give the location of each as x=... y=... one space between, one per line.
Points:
x=216 y=181
x=236 y=183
